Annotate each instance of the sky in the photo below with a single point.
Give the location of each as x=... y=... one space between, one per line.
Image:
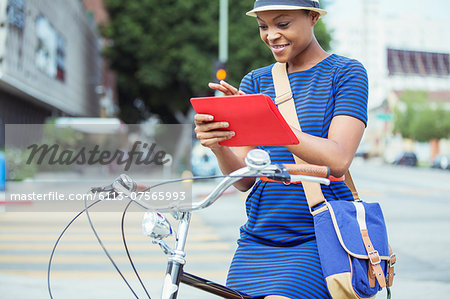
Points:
x=438 y=9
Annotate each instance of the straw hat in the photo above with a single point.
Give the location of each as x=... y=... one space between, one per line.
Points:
x=265 y=5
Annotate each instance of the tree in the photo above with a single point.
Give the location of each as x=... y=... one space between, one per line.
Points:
x=164 y=51
x=409 y=104
x=431 y=123
x=419 y=119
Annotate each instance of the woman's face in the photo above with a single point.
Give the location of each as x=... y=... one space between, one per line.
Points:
x=287 y=33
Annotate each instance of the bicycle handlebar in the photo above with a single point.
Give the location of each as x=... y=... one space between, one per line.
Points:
x=282 y=172
x=258 y=165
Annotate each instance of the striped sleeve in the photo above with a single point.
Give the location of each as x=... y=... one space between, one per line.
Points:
x=351 y=91
x=247 y=84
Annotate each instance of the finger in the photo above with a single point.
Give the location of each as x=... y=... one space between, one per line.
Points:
x=241 y=92
x=231 y=88
x=205 y=127
x=214 y=134
x=220 y=88
x=203 y=118
x=213 y=142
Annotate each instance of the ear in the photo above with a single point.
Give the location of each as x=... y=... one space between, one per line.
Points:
x=314 y=17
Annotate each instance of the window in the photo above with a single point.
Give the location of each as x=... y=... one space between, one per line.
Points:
x=15 y=11
x=51 y=50
x=417 y=63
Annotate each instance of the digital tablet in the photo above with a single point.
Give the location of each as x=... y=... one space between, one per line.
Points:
x=254 y=118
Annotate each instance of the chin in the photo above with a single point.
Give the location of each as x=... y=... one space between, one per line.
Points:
x=281 y=59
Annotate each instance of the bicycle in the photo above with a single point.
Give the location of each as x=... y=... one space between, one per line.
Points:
x=158 y=227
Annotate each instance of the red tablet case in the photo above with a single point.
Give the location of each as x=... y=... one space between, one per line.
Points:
x=254 y=118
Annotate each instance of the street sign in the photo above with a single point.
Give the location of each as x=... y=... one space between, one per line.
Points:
x=385 y=116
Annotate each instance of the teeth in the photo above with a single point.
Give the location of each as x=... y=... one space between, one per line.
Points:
x=279 y=47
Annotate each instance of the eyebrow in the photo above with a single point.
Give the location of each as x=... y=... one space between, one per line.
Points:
x=277 y=17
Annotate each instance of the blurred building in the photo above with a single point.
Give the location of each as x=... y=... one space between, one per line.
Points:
x=50 y=63
x=400 y=52
x=108 y=91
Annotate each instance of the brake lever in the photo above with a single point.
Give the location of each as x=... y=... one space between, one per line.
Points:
x=108 y=189
x=122 y=184
x=278 y=172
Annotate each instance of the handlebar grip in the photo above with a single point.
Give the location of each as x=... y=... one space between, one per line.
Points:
x=308 y=169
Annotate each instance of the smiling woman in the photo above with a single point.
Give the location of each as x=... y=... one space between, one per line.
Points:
x=277 y=254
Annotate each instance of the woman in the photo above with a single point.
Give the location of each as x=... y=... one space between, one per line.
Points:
x=277 y=253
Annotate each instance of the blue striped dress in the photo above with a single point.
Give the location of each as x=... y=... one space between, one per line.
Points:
x=277 y=252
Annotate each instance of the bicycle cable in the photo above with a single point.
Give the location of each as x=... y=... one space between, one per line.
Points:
x=126 y=248
x=56 y=244
x=106 y=251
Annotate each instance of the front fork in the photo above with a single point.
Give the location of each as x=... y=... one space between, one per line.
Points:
x=175 y=275
x=176 y=260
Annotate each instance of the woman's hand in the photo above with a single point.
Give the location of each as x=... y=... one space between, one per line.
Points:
x=210 y=132
x=226 y=88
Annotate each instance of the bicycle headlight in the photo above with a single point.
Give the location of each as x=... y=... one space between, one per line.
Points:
x=156 y=225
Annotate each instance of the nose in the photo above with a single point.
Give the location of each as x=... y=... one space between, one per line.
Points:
x=273 y=35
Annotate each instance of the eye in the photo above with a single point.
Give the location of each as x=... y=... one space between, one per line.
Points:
x=262 y=26
x=283 y=24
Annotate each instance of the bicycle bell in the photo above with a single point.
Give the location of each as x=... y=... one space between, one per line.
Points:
x=156 y=225
x=257 y=159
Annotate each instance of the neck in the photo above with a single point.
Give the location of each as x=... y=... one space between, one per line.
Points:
x=312 y=55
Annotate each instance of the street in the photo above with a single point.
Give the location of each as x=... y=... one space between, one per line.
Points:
x=415 y=202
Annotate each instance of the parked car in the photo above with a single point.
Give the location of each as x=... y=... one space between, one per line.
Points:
x=406 y=159
x=441 y=161
x=203 y=161
x=362 y=151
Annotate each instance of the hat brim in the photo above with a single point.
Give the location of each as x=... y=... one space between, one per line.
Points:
x=252 y=13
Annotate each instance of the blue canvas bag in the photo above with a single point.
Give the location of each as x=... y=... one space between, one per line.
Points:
x=353 y=247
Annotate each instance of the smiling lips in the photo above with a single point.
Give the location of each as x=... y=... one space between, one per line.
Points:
x=278 y=49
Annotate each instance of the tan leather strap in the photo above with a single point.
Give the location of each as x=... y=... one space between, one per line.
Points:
x=349 y=182
x=391 y=273
x=371 y=276
x=374 y=259
x=287 y=108
x=286 y=105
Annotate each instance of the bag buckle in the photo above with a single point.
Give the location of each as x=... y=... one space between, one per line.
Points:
x=392 y=260
x=374 y=257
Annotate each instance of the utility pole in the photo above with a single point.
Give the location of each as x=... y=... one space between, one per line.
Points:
x=223 y=31
x=223 y=34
